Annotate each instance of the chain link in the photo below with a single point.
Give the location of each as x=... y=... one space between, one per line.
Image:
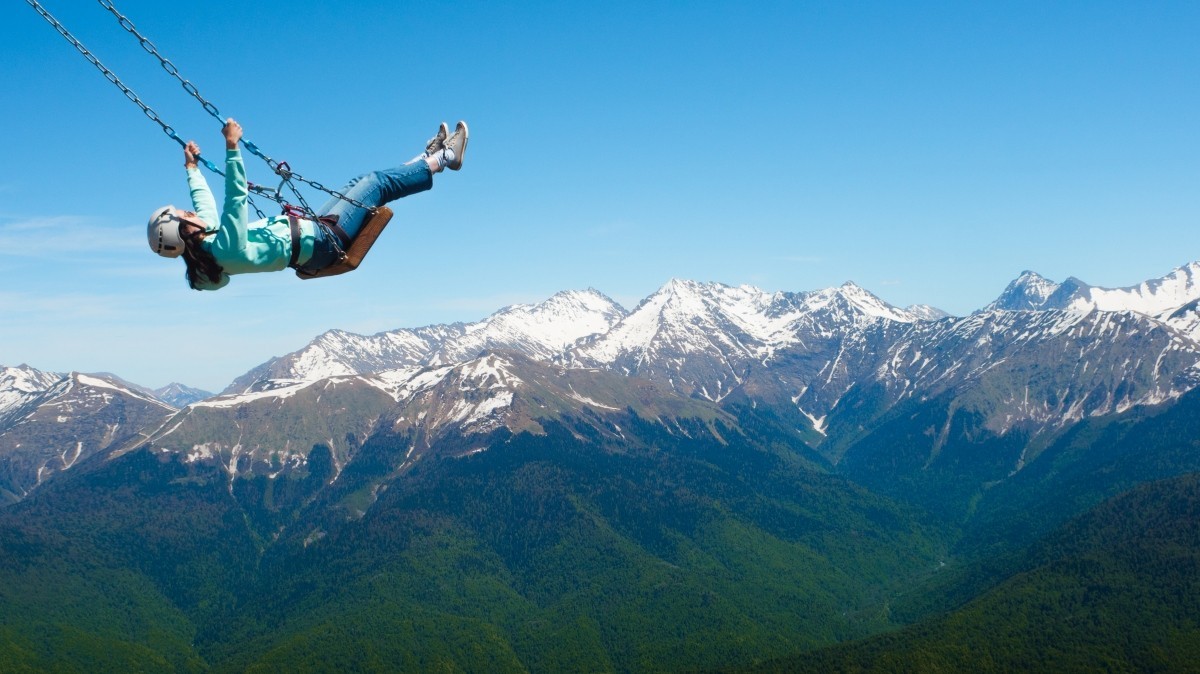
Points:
x=286 y=173
x=108 y=74
x=191 y=89
x=169 y=67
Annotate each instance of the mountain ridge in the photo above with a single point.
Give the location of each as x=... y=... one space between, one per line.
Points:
x=721 y=474
x=836 y=363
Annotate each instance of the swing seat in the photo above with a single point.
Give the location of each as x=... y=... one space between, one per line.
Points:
x=358 y=248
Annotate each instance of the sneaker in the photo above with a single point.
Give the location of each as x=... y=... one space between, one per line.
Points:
x=457 y=145
x=438 y=141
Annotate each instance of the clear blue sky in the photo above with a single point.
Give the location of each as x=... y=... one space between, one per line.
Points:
x=928 y=151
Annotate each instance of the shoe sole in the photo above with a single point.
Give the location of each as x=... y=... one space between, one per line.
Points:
x=462 y=151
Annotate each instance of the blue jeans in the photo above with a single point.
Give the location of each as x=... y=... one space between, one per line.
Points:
x=373 y=189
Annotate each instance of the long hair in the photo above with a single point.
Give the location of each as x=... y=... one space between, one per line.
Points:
x=201 y=265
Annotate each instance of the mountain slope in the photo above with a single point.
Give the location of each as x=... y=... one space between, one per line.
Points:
x=19 y=388
x=50 y=423
x=539 y=331
x=1171 y=298
x=272 y=429
x=665 y=546
x=1095 y=460
x=661 y=539
x=704 y=339
x=116 y=565
x=180 y=395
x=1118 y=589
x=567 y=486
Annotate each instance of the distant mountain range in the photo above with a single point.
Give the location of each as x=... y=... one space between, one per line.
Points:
x=836 y=362
x=49 y=423
x=716 y=476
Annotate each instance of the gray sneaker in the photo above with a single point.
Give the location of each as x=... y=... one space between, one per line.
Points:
x=457 y=143
x=438 y=141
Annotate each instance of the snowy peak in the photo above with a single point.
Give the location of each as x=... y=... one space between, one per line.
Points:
x=1159 y=298
x=21 y=385
x=180 y=395
x=541 y=330
x=688 y=317
x=26 y=379
x=869 y=304
x=924 y=312
x=1152 y=298
x=104 y=384
x=1029 y=291
x=582 y=302
x=53 y=422
x=854 y=302
x=340 y=353
x=702 y=339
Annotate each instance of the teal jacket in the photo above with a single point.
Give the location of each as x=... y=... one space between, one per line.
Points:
x=240 y=246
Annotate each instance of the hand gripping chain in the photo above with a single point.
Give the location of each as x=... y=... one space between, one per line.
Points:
x=279 y=168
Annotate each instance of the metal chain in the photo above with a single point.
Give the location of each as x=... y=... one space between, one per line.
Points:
x=132 y=96
x=281 y=170
x=162 y=60
x=112 y=77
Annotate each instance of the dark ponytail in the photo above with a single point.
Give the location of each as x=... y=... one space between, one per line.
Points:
x=201 y=265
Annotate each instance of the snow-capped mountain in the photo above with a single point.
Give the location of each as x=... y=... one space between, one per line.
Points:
x=704 y=338
x=180 y=395
x=540 y=331
x=807 y=351
x=50 y=422
x=272 y=429
x=1028 y=292
x=830 y=365
x=924 y=312
x=21 y=386
x=1171 y=298
x=1010 y=366
x=513 y=391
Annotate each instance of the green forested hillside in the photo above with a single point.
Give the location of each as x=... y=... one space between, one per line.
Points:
x=1117 y=589
x=1093 y=461
x=620 y=543
x=559 y=552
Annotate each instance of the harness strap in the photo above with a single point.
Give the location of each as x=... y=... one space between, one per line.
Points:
x=331 y=223
x=295 y=224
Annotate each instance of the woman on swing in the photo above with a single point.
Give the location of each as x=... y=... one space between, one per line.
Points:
x=214 y=250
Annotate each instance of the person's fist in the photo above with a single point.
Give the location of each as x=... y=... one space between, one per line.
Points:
x=232 y=132
x=190 y=152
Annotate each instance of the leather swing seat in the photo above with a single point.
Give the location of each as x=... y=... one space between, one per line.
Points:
x=358 y=248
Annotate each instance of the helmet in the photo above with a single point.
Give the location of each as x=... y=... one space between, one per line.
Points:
x=162 y=232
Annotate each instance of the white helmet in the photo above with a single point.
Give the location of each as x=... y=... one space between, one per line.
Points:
x=162 y=232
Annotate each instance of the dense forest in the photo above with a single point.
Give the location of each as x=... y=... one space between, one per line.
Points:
x=1117 y=589
x=697 y=547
